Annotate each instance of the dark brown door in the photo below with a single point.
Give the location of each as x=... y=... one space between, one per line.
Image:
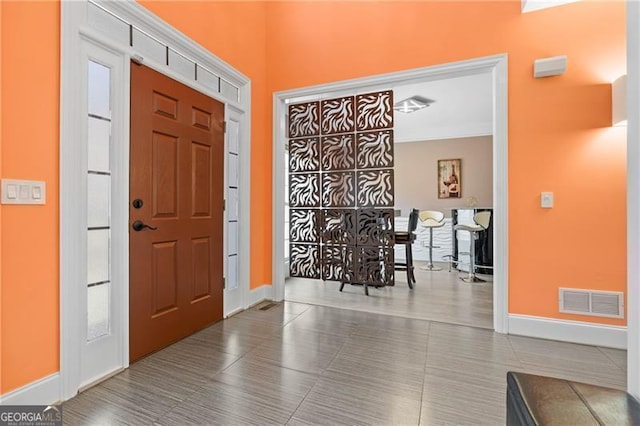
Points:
x=176 y=203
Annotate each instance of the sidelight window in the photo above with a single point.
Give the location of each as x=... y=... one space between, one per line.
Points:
x=98 y=200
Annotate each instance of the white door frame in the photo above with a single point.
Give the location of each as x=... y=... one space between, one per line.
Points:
x=497 y=65
x=633 y=198
x=75 y=31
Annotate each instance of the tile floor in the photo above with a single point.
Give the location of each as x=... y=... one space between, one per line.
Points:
x=298 y=364
x=437 y=296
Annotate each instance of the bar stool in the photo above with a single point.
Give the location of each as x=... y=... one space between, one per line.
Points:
x=482 y=220
x=431 y=219
x=407 y=238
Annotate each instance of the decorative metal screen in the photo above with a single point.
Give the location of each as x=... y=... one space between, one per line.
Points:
x=341 y=189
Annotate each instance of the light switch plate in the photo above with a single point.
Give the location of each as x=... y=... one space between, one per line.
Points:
x=546 y=200
x=23 y=191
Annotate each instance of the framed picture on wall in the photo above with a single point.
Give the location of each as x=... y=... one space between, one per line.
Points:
x=449 y=178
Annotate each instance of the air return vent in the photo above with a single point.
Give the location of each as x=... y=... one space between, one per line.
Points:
x=267 y=306
x=591 y=302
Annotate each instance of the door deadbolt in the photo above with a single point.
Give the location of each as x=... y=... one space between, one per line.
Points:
x=137 y=203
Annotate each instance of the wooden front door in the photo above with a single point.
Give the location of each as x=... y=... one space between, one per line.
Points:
x=175 y=211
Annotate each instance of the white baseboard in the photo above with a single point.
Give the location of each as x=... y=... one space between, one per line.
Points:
x=587 y=333
x=45 y=391
x=257 y=295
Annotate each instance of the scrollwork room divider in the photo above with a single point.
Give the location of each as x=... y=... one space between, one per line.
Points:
x=341 y=190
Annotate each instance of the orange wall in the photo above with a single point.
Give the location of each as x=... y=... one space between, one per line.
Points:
x=559 y=138
x=236 y=32
x=559 y=134
x=29 y=150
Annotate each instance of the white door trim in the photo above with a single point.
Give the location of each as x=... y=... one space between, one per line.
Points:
x=497 y=65
x=633 y=198
x=75 y=29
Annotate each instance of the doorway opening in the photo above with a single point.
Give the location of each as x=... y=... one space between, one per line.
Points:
x=492 y=72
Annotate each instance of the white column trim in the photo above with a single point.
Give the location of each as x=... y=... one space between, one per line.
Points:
x=633 y=197
x=70 y=186
x=497 y=65
x=278 y=184
x=244 y=192
x=500 y=198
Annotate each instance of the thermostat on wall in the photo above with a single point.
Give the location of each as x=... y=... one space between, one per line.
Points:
x=546 y=200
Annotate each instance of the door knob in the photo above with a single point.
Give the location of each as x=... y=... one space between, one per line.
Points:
x=139 y=225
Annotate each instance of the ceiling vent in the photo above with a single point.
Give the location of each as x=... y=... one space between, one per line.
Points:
x=591 y=302
x=412 y=104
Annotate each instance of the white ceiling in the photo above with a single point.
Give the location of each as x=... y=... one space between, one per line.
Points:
x=462 y=108
x=531 y=5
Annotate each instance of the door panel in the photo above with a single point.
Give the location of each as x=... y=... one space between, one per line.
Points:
x=165 y=175
x=201 y=252
x=177 y=152
x=165 y=105
x=165 y=278
x=201 y=176
x=201 y=119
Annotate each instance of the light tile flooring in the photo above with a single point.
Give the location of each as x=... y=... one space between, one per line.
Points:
x=437 y=296
x=298 y=364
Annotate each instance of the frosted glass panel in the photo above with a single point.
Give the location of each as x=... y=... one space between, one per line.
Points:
x=232 y=274
x=232 y=206
x=182 y=65
x=98 y=199
x=233 y=238
x=99 y=90
x=233 y=170
x=208 y=79
x=98 y=311
x=97 y=256
x=149 y=47
x=233 y=130
x=99 y=144
x=229 y=90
